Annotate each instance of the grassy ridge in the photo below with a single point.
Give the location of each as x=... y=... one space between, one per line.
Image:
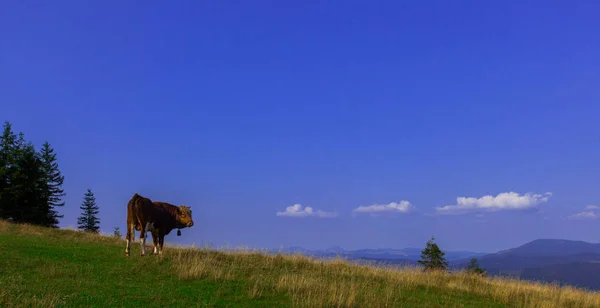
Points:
x=44 y=267
x=61 y=268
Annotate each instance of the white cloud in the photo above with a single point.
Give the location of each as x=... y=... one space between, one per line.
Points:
x=585 y=215
x=297 y=210
x=402 y=207
x=594 y=213
x=502 y=201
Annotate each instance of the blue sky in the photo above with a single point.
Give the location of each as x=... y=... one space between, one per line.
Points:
x=243 y=109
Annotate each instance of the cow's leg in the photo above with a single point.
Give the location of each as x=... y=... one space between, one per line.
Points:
x=130 y=237
x=155 y=240
x=161 y=240
x=142 y=239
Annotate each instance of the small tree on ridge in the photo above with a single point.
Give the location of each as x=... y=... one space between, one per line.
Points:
x=88 y=221
x=116 y=232
x=474 y=268
x=432 y=257
x=54 y=181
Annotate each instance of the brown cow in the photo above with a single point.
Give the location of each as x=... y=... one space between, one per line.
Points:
x=157 y=217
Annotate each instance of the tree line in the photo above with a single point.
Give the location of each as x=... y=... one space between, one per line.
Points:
x=31 y=185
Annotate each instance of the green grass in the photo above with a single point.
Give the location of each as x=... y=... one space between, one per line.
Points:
x=65 y=268
x=76 y=271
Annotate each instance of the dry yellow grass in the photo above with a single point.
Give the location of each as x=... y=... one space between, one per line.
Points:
x=67 y=234
x=338 y=283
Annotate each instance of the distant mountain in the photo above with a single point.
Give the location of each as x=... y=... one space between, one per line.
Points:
x=537 y=253
x=552 y=247
x=514 y=264
x=376 y=254
x=579 y=274
x=390 y=262
x=334 y=249
x=570 y=262
x=295 y=249
x=415 y=254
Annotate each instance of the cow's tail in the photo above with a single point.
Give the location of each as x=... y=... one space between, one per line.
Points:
x=132 y=221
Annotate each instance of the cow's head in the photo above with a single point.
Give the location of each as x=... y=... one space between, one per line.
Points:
x=184 y=216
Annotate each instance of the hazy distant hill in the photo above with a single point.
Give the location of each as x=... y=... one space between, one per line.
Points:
x=377 y=254
x=513 y=264
x=581 y=274
x=415 y=254
x=552 y=247
x=574 y=262
x=392 y=262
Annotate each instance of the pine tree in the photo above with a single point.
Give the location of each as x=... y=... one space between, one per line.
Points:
x=54 y=181
x=116 y=232
x=474 y=268
x=29 y=181
x=432 y=257
x=8 y=142
x=88 y=221
x=21 y=181
x=29 y=187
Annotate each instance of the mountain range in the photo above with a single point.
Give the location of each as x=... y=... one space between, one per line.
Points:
x=412 y=254
x=565 y=262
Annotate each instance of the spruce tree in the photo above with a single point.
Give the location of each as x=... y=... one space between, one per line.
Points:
x=88 y=221
x=474 y=268
x=21 y=181
x=28 y=187
x=116 y=232
x=54 y=181
x=3 y=184
x=30 y=182
x=8 y=141
x=432 y=257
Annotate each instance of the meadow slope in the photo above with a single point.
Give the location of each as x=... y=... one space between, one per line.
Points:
x=59 y=268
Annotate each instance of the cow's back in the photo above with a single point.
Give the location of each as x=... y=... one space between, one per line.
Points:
x=167 y=207
x=139 y=211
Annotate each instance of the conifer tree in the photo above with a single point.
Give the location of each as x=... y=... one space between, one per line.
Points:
x=54 y=181
x=28 y=187
x=8 y=141
x=3 y=185
x=21 y=181
x=89 y=221
x=116 y=232
x=432 y=257
x=30 y=182
x=474 y=268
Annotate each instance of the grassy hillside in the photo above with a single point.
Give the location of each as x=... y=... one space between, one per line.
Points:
x=43 y=267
